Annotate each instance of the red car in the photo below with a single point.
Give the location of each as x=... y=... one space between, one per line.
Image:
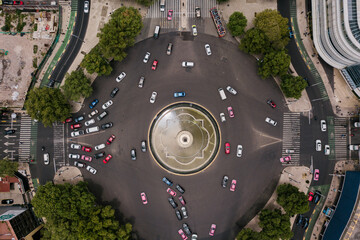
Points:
x=231 y=112
x=18 y=3
x=86 y=158
x=316 y=174
x=271 y=103
x=227 y=148
x=86 y=149
x=285 y=159
x=182 y=200
x=75 y=126
x=182 y=234
x=212 y=229
x=310 y=196
x=106 y=160
x=169 y=16
x=154 y=65
x=70 y=119
x=111 y=139
x=171 y=192
x=143 y=198
x=233 y=185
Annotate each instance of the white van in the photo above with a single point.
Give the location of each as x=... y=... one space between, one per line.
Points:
x=222 y=93
x=162 y=5
x=92 y=129
x=157 y=32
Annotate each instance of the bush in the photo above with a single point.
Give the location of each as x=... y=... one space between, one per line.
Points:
x=292 y=86
x=237 y=24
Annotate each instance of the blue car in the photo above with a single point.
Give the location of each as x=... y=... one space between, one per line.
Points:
x=167 y=181
x=179 y=94
x=93 y=103
x=79 y=119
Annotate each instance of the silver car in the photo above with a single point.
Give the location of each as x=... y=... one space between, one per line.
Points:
x=141 y=82
x=107 y=104
x=231 y=90
x=75 y=146
x=93 y=113
x=143 y=146
x=239 y=150
x=86 y=7
x=184 y=212
x=222 y=117
x=323 y=125
x=74 y=156
x=91 y=169
x=207 y=49
x=147 y=57
x=327 y=150
x=121 y=77
x=153 y=97
x=318 y=145
x=46 y=159
x=91 y=121
x=270 y=121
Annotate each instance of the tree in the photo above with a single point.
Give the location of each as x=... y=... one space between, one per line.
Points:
x=146 y=3
x=291 y=199
x=274 y=63
x=72 y=213
x=8 y=168
x=77 y=85
x=47 y=105
x=248 y=234
x=95 y=62
x=274 y=26
x=120 y=32
x=237 y=24
x=255 y=41
x=292 y=86
x=274 y=225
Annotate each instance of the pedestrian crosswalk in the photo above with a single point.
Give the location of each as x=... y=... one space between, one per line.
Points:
x=291 y=137
x=27 y=138
x=59 y=144
x=338 y=138
x=204 y=6
x=154 y=10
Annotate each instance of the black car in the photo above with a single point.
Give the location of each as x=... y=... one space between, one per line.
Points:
x=79 y=119
x=224 y=181
x=172 y=202
x=186 y=229
x=107 y=125
x=300 y=220
x=114 y=92
x=8 y=132
x=7 y=201
x=180 y=189
x=99 y=155
x=178 y=215
x=317 y=196
x=305 y=223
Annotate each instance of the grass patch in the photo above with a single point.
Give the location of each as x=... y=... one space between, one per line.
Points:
x=35 y=48
x=7 y=27
x=35 y=62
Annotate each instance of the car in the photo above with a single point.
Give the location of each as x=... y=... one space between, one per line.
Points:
x=107 y=159
x=106 y=125
x=90 y=115
x=233 y=185
x=7 y=201
x=317 y=196
x=316 y=174
x=91 y=169
x=93 y=103
x=18 y=3
x=231 y=90
x=141 y=82
x=224 y=181
x=121 y=77
x=186 y=229
x=89 y=122
x=153 y=97
x=270 y=121
x=299 y=220
x=207 y=49
x=170 y=14
x=289 y=151
x=182 y=200
x=182 y=234
x=114 y=92
x=318 y=145
x=100 y=146
x=75 y=146
x=180 y=189
x=86 y=149
x=77 y=133
x=143 y=198
x=111 y=139
x=194 y=236
x=133 y=154
x=271 y=103
x=353 y=147
x=184 y=212
x=187 y=64
x=99 y=155
x=171 y=192
x=197 y=12
x=323 y=125
x=305 y=223
x=327 y=150
x=356 y=124
x=222 y=117
x=179 y=94
x=107 y=104
x=154 y=65
x=102 y=115
x=169 y=49
x=79 y=119
x=227 y=148
x=194 y=30
x=172 y=202
x=75 y=126
x=285 y=159
x=167 y=181
x=86 y=158
x=86 y=7
x=74 y=156
x=79 y=164
x=147 y=57
x=68 y=120
x=291 y=34
x=178 y=214
x=239 y=150
x=310 y=196
x=212 y=229
x=46 y=159
x=231 y=112
x=143 y=146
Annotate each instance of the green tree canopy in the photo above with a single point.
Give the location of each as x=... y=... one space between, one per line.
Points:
x=255 y=41
x=95 y=62
x=248 y=234
x=274 y=225
x=237 y=24
x=274 y=26
x=120 y=32
x=72 y=213
x=292 y=86
x=77 y=85
x=274 y=63
x=47 y=105
x=291 y=199
x=8 y=168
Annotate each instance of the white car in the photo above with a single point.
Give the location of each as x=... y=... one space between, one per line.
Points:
x=270 y=121
x=91 y=121
x=327 y=150
x=93 y=113
x=353 y=147
x=323 y=125
x=141 y=82
x=74 y=156
x=239 y=150
x=318 y=145
x=107 y=104
x=86 y=7
x=147 y=57
x=75 y=146
x=194 y=30
x=231 y=90
x=222 y=117
x=356 y=124
x=121 y=77
x=79 y=164
x=91 y=169
x=207 y=49
x=153 y=97
x=77 y=133
x=100 y=146
x=46 y=159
